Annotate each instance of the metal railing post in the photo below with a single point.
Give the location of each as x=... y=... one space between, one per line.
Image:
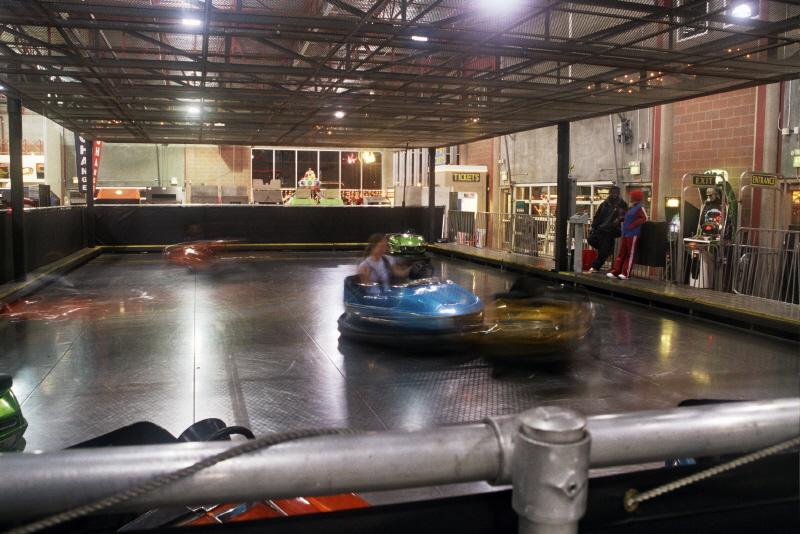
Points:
x=550 y=471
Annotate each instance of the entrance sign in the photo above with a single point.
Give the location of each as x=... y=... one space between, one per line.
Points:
x=466 y=177
x=770 y=180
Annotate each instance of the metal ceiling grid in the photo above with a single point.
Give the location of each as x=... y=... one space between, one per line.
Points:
x=416 y=72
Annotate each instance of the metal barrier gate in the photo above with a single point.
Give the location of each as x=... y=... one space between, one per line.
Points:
x=766 y=264
x=520 y=233
x=544 y=453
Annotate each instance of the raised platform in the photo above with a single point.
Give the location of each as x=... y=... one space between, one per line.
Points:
x=752 y=313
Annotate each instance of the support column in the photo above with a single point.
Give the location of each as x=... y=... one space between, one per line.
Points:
x=662 y=158
x=17 y=191
x=432 y=237
x=90 y=189
x=563 y=189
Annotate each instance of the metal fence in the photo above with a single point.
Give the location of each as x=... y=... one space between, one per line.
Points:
x=544 y=453
x=523 y=234
x=760 y=262
x=766 y=263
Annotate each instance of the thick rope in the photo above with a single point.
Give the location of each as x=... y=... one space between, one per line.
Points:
x=159 y=481
x=633 y=498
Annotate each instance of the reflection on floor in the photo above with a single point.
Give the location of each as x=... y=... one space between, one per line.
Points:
x=256 y=344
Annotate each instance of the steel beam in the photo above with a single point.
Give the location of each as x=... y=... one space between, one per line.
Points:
x=432 y=237
x=17 y=188
x=562 y=191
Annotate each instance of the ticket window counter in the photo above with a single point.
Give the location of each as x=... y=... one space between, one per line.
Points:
x=464 y=201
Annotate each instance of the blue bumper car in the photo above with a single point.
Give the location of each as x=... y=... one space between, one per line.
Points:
x=414 y=311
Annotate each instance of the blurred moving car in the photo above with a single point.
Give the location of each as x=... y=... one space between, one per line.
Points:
x=533 y=317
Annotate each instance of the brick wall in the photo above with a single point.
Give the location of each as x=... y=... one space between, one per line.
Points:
x=477 y=153
x=218 y=165
x=716 y=131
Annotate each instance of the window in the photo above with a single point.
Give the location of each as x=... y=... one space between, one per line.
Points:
x=306 y=159
x=262 y=165
x=371 y=170
x=351 y=171
x=285 y=168
x=329 y=169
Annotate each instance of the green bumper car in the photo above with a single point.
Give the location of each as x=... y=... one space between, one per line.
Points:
x=12 y=424
x=409 y=248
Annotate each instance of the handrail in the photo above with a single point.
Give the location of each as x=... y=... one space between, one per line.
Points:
x=36 y=484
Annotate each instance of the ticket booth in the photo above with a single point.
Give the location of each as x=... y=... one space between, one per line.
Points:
x=467 y=185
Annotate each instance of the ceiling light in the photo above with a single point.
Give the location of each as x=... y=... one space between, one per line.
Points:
x=192 y=22
x=419 y=38
x=219 y=124
x=193 y=110
x=339 y=114
x=2 y=87
x=742 y=11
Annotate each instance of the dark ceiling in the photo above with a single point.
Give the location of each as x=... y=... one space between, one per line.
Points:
x=424 y=72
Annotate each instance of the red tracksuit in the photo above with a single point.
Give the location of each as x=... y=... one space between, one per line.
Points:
x=631 y=232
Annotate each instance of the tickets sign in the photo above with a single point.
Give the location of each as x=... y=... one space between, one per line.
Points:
x=764 y=180
x=704 y=180
x=467 y=177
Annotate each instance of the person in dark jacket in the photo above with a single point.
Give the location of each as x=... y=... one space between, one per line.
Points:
x=606 y=227
x=631 y=233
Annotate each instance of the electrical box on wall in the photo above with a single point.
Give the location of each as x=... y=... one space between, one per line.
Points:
x=624 y=131
x=796 y=158
x=635 y=167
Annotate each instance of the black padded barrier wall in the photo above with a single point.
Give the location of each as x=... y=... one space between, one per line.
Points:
x=163 y=225
x=53 y=233
x=653 y=244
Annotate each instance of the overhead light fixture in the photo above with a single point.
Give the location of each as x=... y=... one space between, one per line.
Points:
x=419 y=38
x=339 y=114
x=192 y=22
x=194 y=110
x=742 y=11
x=219 y=124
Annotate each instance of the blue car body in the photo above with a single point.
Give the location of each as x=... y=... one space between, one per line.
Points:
x=428 y=306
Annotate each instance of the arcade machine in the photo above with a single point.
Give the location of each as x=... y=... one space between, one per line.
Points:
x=702 y=258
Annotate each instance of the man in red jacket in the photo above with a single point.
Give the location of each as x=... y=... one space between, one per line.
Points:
x=631 y=233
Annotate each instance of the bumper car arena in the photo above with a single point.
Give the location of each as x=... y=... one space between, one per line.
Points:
x=390 y=266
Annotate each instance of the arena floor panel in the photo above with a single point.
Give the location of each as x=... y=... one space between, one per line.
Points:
x=256 y=344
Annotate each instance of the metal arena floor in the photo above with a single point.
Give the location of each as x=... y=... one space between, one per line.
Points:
x=257 y=345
